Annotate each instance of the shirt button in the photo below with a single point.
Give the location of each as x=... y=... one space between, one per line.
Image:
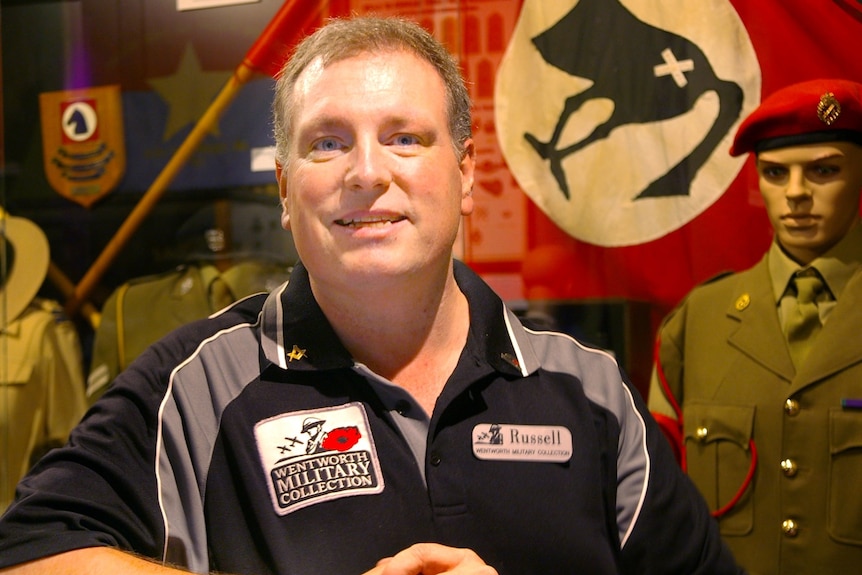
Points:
x=402 y=407
x=791 y=407
x=789 y=467
x=435 y=459
x=790 y=527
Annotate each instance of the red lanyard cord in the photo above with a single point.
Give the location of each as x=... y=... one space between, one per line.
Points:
x=681 y=443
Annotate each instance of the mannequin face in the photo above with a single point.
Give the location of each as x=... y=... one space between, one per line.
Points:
x=811 y=194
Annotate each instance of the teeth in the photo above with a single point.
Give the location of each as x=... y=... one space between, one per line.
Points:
x=371 y=221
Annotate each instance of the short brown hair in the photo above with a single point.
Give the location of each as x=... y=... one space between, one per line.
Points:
x=340 y=39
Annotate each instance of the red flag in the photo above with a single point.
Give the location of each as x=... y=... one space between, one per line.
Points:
x=294 y=20
x=653 y=108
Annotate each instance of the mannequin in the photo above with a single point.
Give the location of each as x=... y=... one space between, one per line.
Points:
x=41 y=366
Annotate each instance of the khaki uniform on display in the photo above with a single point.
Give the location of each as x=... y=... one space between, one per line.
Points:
x=726 y=342
x=41 y=366
x=773 y=439
x=144 y=309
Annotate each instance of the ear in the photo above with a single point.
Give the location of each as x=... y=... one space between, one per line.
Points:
x=280 y=176
x=468 y=174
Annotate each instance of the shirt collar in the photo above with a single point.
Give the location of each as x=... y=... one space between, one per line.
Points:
x=836 y=266
x=301 y=337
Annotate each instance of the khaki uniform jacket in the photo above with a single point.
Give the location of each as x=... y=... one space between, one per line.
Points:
x=726 y=361
x=41 y=389
x=145 y=309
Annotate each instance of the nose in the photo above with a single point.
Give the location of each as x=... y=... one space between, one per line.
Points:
x=369 y=167
x=797 y=187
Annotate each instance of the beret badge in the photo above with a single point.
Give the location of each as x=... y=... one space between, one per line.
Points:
x=828 y=108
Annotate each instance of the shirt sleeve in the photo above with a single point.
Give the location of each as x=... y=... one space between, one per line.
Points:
x=673 y=531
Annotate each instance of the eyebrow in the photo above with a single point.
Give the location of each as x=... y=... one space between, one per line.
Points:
x=826 y=156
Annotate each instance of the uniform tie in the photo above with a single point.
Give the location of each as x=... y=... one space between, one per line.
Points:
x=803 y=323
x=220 y=295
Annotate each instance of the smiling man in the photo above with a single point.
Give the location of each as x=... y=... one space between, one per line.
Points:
x=383 y=412
x=761 y=371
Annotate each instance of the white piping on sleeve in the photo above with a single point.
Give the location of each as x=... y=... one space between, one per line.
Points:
x=647 y=469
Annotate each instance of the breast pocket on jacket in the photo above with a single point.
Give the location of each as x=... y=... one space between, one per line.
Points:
x=717 y=442
x=845 y=469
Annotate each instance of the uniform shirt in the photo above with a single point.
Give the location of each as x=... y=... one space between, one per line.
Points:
x=835 y=268
x=144 y=309
x=206 y=453
x=726 y=362
x=41 y=388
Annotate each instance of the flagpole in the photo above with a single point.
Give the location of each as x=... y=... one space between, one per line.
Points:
x=265 y=55
x=148 y=201
x=67 y=288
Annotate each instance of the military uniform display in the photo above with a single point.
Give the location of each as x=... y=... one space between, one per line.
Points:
x=144 y=309
x=772 y=437
x=727 y=363
x=41 y=366
x=41 y=388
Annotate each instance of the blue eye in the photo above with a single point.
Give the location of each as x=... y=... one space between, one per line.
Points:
x=406 y=140
x=326 y=145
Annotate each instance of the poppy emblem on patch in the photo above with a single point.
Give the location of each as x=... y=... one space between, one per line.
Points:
x=318 y=455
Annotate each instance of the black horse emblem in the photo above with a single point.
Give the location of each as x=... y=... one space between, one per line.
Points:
x=650 y=74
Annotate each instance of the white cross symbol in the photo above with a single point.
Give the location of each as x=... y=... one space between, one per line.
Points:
x=673 y=67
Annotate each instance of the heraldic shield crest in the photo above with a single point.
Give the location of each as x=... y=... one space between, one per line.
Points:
x=83 y=144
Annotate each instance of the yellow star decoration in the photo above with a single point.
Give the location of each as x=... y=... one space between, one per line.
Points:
x=296 y=354
x=188 y=93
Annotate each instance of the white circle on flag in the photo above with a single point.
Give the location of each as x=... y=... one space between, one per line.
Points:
x=604 y=176
x=79 y=121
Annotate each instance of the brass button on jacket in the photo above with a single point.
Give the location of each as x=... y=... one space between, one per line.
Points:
x=789 y=467
x=790 y=527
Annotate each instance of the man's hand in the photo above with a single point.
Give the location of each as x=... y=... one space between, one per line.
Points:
x=433 y=559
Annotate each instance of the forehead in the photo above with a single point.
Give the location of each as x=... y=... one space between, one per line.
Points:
x=370 y=70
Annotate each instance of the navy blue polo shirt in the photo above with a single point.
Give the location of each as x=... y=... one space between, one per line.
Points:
x=252 y=442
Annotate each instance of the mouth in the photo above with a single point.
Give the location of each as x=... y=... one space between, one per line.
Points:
x=370 y=221
x=800 y=220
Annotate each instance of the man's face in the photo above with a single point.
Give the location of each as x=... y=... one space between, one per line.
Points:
x=373 y=186
x=811 y=194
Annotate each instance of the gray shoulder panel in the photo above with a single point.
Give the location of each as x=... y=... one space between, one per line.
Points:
x=199 y=390
x=603 y=385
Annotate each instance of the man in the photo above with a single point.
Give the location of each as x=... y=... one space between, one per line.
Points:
x=766 y=364
x=195 y=457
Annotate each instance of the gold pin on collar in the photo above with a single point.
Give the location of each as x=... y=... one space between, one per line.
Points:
x=296 y=354
x=742 y=302
x=828 y=108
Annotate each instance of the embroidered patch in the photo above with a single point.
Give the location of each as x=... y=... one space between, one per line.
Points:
x=504 y=442
x=318 y=455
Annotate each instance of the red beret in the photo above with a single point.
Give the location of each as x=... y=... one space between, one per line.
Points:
x=825 y=110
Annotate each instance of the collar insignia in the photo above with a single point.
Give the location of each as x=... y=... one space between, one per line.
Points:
x=510 y=359
x=296 y=353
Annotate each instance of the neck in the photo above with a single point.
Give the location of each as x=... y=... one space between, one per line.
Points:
x=410 y=332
